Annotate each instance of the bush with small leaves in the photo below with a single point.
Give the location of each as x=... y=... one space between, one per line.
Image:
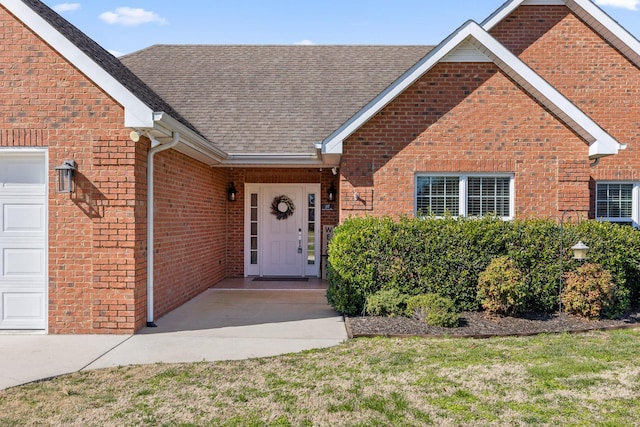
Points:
x=387 y=302
x=434 y=310
x=590 y=292
x=445 y=256
x=501 y=288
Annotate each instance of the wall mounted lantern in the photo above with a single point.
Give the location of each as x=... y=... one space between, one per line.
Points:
x=232 y=192
x=580 y=251
x=66 y=176
x=331 y=193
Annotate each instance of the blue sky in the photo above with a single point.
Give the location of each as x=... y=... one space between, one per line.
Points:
x=124 y=26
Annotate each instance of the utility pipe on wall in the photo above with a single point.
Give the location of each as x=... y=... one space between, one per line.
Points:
x=156 y=147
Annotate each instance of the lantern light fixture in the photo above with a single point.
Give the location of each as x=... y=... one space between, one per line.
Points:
x=66 y=176
x=580 y=251
x=232 y=192
x=331 y=193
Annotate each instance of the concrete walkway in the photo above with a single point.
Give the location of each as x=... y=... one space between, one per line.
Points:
x=230 y=321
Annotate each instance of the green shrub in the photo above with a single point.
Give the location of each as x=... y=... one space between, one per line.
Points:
x=354 y=252
x=616 y=248
x=501 y=288
x=590 y=292
x=387 y=302
x=445 y=256
x=534 y=245
x=433 y=309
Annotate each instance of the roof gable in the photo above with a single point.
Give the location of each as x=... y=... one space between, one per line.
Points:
x=586 y=10
x=600 y=142
x=139 y=101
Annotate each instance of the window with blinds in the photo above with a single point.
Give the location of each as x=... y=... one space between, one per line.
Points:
x=614 y=201
x=464 y=195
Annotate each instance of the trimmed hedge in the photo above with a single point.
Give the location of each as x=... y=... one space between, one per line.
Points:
x=446 y=256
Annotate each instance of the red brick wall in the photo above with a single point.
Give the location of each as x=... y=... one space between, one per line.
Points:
x=588 y=71
x=465 y=117
x=235 y=222
x=190 y=229
x=94 y=253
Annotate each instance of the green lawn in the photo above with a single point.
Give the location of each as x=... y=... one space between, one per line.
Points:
x=583 y=380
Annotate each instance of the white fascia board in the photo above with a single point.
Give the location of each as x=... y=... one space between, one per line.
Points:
x=164 y=123
x=528 y=79
x=137 y=114
x=600 y=142
x=293 y=159
x=608 y=28
x=586 y=10
x=272 y=162
x=507 y=8
x=333 y=143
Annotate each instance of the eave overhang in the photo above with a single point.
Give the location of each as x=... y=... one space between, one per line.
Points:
x=600 y=142
x=137 y=113
x=586 y=10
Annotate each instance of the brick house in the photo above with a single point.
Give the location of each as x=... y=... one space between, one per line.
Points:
x=533 y=112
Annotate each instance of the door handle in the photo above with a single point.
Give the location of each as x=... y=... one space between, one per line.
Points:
x=299 y=240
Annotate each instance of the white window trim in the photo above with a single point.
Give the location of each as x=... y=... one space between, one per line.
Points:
x=463 y=193
x=635 y=206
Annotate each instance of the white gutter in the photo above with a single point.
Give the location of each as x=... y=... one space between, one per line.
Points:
x=156 y=147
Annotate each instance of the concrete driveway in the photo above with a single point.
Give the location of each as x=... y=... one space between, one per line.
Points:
x=231 y=321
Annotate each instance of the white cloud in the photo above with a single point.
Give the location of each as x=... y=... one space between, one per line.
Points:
x=304 y=43
x=66 y=7
x=131 y=17
x=623 y=4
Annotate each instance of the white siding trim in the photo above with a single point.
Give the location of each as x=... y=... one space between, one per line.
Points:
x=606 y=26
x=600 y=142
x=466 y=52
x=137 y=114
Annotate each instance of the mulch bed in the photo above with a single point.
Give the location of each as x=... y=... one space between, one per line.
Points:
x=482 y=325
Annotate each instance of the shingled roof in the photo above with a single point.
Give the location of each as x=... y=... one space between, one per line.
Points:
x=270 y=99
x=107 y=61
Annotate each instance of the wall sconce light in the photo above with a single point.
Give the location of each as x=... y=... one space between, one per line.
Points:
x=232 y=192
x=331 y=193
x=580 y=251
x=66 y=176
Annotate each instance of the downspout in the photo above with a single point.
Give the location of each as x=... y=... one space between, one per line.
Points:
x=156 y=147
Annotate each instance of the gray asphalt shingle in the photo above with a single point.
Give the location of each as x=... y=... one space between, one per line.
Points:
x=251 y=99
x=270 y=99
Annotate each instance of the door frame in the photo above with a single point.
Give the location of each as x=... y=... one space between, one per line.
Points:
x=44 y=153
x=260 y=189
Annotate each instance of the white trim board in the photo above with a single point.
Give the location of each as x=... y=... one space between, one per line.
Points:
x=586 y=10
x=600 y=142
x=137 y=113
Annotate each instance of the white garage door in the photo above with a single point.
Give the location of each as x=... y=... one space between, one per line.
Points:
x=23 y=240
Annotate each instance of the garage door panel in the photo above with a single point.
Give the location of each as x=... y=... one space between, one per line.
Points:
x=23 y=218
x=23 y=242
x=18 y=169
x=22 y=310
x=23 y=262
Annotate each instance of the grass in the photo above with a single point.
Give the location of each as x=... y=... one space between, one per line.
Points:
x=580 y=380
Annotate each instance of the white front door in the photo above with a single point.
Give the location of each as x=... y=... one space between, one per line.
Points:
x=23 y=240
x=282 y=231
x=282 y=223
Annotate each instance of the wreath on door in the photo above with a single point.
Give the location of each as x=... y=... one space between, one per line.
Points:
x=282 y=207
